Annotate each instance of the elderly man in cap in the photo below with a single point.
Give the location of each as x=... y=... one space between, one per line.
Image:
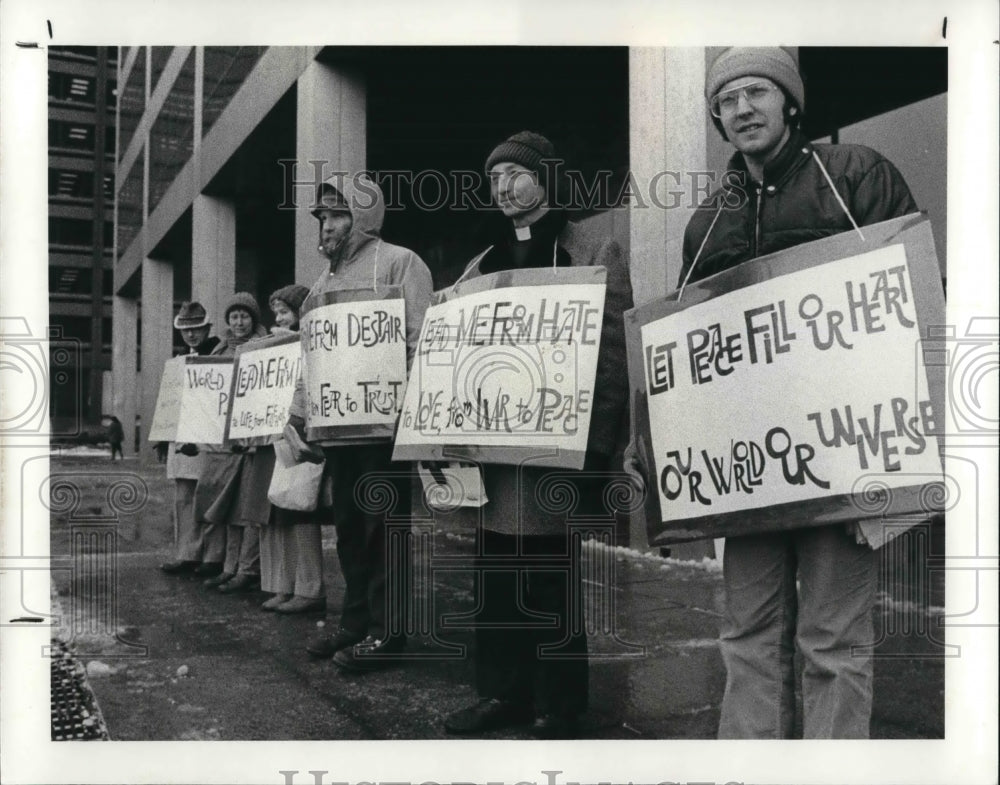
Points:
x=200 y=546
x=813 y=587
x=520 y=678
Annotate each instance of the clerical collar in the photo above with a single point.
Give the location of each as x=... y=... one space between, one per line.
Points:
x=522 y=233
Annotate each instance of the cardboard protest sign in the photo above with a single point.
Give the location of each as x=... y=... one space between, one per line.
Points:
x=353 y=363
x=168 y=401
x=505 y=370
x=264 y=376
x=206 y=382
x=791 y=391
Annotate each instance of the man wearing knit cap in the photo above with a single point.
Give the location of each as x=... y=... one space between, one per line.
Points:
x=813 y=586
x=200 y=547
x=519 y=676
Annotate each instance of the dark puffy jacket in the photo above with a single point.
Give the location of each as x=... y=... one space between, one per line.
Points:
x=793 y=205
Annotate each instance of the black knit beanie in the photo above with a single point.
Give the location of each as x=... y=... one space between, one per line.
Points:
x=525 y=148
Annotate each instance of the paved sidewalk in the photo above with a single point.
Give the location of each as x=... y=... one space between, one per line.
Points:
x=174 y=660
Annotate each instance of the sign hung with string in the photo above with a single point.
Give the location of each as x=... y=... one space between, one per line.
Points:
x=353 y=363
x=792 y=390
x=505 y=369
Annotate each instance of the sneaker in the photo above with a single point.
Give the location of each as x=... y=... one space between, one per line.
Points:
x=324 y=646
x=488 y=714
x=369 y=655
x=298 y=604
x=275 y=601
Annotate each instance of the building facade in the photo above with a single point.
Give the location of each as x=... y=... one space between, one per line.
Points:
x=81 y=128
x=219 y=149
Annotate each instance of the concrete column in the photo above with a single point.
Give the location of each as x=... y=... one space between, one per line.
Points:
x=667 y=149
x=213 y=255
x=124 y=387
x=668 y=161
x=157 y=338
x=331 y=136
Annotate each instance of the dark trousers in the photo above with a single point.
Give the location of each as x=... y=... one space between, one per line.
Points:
x=526 y=604
x=371 y=509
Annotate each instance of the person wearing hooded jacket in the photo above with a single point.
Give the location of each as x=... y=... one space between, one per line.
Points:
x=516 y=680
x=371 y=628
x=232 y=490
x=812 y=587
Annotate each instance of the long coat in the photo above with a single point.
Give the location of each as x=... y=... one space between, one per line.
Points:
x=794 y=204
x=537 y=501
x=223 y=495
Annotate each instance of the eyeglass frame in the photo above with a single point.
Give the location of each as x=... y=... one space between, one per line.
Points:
x=771 y=87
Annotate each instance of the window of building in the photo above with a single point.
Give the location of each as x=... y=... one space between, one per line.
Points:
x=72 y=88
x=132 y=100
x=70 y=231
x=226 y=68
x=68 y=135
x=158 y=56
x=71 y=184
x=171 y=139
x=130 y=206
x=69 y=280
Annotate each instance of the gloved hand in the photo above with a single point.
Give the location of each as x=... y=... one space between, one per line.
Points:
x=188 y=449
x=634 y=467
x=301 y=450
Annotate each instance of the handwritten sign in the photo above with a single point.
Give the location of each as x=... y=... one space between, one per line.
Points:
x=505 y=369
x=168 y=401
x=354 y=363
x=264 y=377
x=204 y=400
x=791 y=391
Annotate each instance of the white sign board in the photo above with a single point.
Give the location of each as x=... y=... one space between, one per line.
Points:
x=505 y=369
x=205 y=400
x=168 y=401
x=354 y=364
x=264 y=380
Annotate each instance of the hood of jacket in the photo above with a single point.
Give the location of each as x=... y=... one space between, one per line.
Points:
x=367 y=207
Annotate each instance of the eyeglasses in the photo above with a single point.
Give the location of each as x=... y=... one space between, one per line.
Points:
x=727 y=101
